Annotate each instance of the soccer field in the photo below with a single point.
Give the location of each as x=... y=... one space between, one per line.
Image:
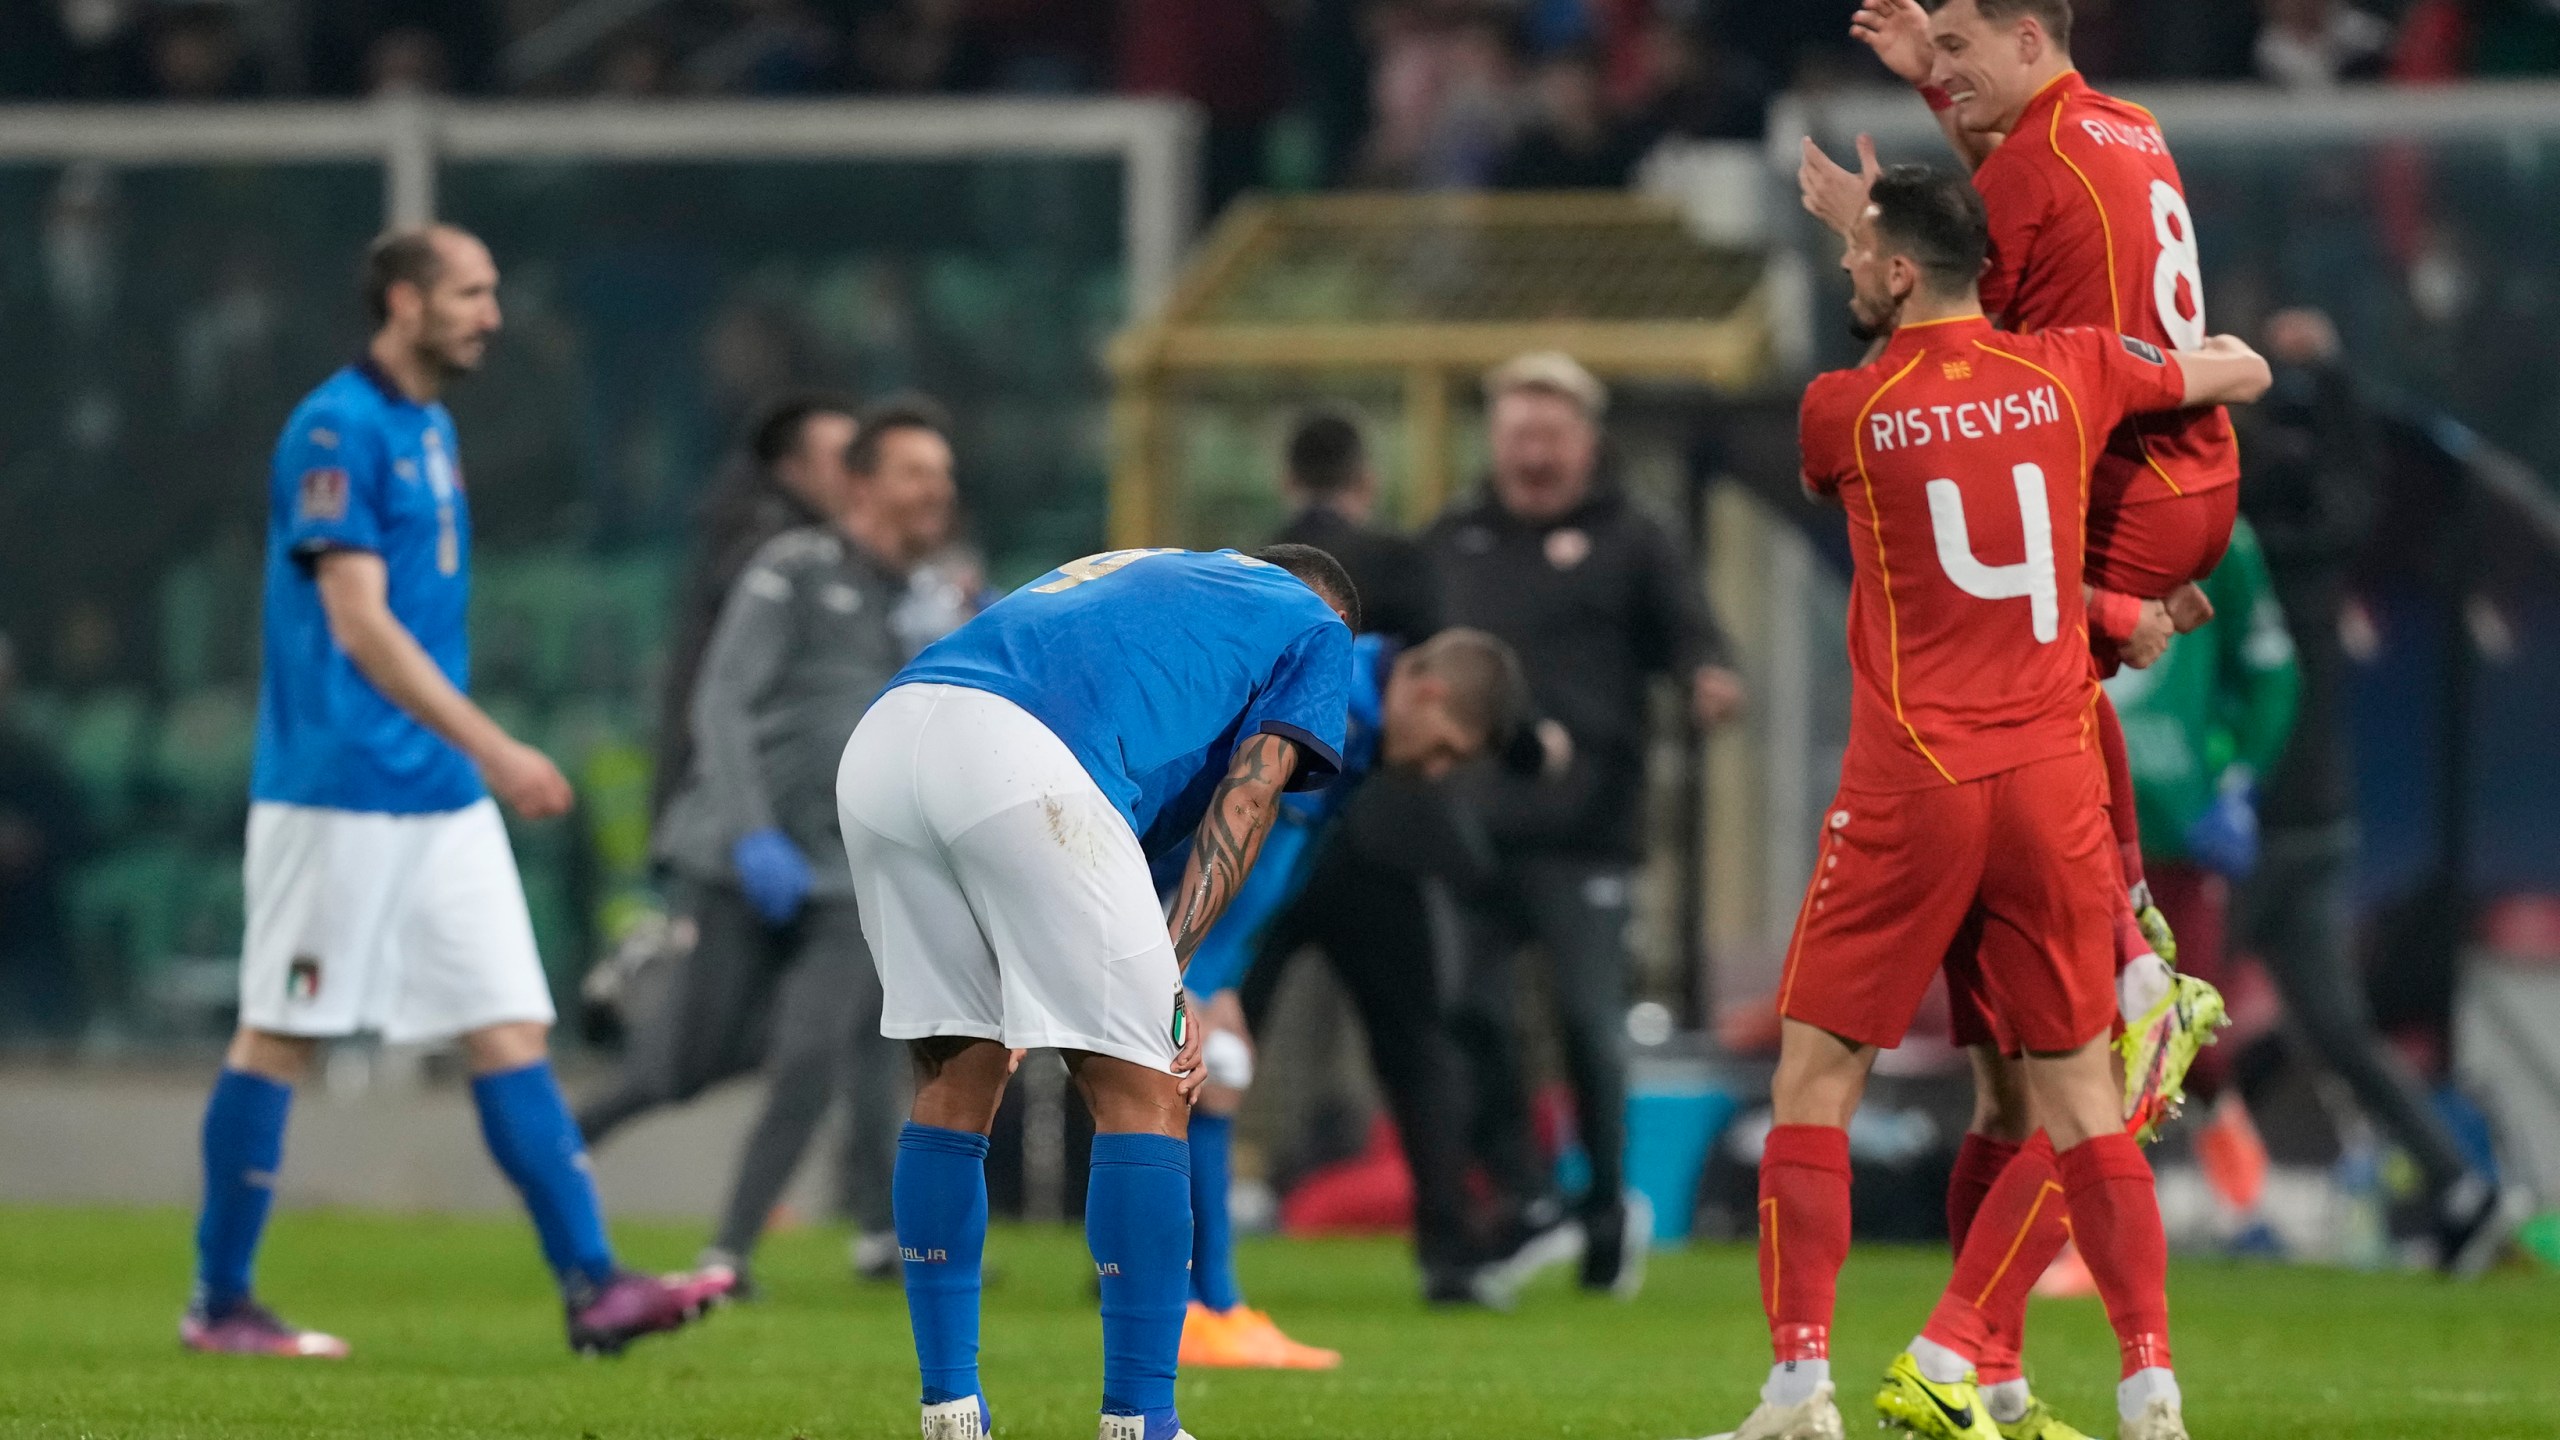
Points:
x=456 y=1334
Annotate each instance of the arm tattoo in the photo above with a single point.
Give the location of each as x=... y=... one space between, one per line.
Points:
x=1230 y=836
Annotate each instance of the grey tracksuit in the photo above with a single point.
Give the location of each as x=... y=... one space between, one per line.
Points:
x=805 y=641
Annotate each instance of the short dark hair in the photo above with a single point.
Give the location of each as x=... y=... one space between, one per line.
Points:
x=1487 y=688
x=779 y=425
x=404 y=255
x=2053 y=15
x=898 y=412
x=1322 y=573
x=1326 y=453
x=1937 y=220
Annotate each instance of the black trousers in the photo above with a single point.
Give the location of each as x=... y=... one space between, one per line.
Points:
x=801 y=1002
x=2299 y=910
x=1577 y=911
x=1371 y=924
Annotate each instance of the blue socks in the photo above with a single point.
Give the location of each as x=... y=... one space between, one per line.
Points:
x=243 y=1145
x=532 y=1137
x=1137 y=1220
x=939 y=1195
x=1213 y=1232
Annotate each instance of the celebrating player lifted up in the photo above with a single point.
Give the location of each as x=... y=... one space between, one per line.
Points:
x=1970 y=797
x=999 y=804
x=2089 y=226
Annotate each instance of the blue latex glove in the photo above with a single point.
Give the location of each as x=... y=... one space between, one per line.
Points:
x=773 y=872
x=2224 y=839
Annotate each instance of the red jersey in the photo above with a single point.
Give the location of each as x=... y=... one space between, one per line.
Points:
x=2089 y=226
x=1962 y=457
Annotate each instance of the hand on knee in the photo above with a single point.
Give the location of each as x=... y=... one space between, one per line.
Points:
x=1128 y=1099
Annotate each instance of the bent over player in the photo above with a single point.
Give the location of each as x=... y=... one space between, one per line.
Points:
x=381 y=892
x=999 y=804
x=1970 y=794
x=1422 y=711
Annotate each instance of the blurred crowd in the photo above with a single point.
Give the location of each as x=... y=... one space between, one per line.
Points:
x=1312 y=92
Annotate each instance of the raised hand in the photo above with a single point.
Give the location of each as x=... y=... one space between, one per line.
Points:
x=1833 y=195
x=1898 y=31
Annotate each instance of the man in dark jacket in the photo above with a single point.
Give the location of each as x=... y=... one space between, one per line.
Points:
x=1598 y=599
x=2308 y=452
x=1334 y=494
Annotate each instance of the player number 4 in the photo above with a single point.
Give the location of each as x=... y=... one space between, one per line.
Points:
x=2031 y=578
x=2179 y=262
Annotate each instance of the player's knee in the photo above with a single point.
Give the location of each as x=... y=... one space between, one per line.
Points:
x=2077 y=1094
x=1820 y=1078
x=285 y=1059
x=960 y=1081
x=1127 y=1098
x=2001 y=1107
x=512 y=1046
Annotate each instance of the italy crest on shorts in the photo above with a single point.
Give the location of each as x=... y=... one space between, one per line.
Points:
x=302 y=980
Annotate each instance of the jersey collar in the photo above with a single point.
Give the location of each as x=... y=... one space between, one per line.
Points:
x=1911 y=339
x=380 y=379
x=2056 y=90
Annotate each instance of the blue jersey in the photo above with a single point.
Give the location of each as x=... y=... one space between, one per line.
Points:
x=1152 y=665
x=362 y=467
x=1289 y=853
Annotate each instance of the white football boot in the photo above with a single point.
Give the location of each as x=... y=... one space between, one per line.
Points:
x=2159 y=1420
x=1814 y=1419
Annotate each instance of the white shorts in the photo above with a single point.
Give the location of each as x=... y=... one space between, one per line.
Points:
x=1003 y=896
x=412 y=925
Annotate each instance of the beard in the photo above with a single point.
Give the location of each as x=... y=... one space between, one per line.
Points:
x=1865 y=331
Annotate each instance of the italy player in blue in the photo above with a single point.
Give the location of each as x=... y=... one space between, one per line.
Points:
x=999 y=804
x=381 y=892
x=1424 y=710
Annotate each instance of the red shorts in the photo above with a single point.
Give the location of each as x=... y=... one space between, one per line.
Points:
x=2022 y=862
x=2150 y=549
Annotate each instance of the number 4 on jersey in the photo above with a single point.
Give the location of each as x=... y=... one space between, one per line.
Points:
x=2031 y=578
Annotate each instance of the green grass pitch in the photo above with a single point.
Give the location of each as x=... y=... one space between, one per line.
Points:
x=457 y=1335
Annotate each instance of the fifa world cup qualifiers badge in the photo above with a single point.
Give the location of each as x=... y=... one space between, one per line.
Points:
x=1181 y=1018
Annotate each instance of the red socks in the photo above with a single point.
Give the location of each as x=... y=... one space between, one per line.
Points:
x=1979 y=1161
x=1804 y=1236
x=2115 y=1212
x=2022 y=1225
x=2120 y=810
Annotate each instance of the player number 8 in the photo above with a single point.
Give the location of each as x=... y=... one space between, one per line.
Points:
x=2031 y=579
x=2179 y=260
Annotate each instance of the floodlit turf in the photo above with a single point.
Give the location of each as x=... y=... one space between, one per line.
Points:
x=456 y=1335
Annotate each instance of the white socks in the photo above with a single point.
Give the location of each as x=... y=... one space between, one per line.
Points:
x=2146 y=978
x=2008 y=1400
x=2142 y=1387
x=1942 y=1365
x=1795 y=1381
